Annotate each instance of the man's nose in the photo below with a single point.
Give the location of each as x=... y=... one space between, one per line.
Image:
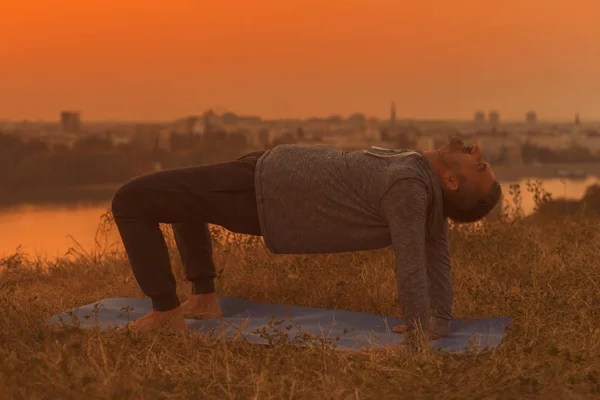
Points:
x=476 y=151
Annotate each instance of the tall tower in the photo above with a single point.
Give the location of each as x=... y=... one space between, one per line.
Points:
x=494 y=118
x=70 y=121
x=479 y=117
x=531 y=118
x=577 y=119
x=393 y=114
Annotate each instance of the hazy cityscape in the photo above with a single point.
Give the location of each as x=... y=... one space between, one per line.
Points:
x=72 y=151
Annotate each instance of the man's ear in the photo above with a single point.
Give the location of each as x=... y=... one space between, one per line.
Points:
x=451 y=180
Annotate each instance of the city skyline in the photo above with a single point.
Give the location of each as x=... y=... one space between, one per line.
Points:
x=400 y=119
x=479 y=116
x=438 y=60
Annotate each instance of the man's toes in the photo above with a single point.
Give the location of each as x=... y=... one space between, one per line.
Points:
x=202 y=314
x=399 y=329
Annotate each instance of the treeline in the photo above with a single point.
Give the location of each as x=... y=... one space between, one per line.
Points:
x=588 y=206
x=90 y=161
x=95 y=160
x=574 y=154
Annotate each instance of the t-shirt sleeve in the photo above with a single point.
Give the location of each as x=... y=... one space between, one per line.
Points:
x=404 y=208
x=440 y=282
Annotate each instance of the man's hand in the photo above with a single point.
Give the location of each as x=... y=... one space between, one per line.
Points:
x=402 y=330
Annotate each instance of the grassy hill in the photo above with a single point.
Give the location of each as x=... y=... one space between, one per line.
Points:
x=543 y=272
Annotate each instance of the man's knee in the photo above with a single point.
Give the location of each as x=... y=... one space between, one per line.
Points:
x=127 y=197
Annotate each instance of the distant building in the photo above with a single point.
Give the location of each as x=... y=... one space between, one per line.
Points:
x=501 y=150
x=212 y=122
x=70 y=121
x=577 y=119
x=555 y=142
x=393 y=115
x=372 y=132
x=531 y=118
x=193 y=125
x=261 y=139
x=479 y=117
x=494 y=118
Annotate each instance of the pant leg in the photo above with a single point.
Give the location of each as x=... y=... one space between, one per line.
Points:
x=148 y=255
x=190 y=198
x=194 y=244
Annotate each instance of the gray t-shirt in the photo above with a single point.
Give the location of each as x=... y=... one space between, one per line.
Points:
x=315 y=199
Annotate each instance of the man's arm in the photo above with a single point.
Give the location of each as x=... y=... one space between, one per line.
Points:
x=404 y=208
x=440 y=282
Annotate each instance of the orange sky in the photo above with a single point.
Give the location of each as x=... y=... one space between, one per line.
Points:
x=437 y=58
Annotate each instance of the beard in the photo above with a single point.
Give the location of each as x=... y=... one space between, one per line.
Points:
x=453 y=147
x=456 y=145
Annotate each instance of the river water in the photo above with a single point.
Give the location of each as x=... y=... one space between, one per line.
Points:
x=51 y=230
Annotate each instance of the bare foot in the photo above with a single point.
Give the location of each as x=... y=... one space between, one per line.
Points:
x=202 y=306
x=402 y=330
x=171 y=321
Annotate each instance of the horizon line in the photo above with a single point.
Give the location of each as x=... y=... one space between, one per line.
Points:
x=167 y=121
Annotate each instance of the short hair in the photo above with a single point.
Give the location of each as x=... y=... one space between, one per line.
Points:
x=460 y=207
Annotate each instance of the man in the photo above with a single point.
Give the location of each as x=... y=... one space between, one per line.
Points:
x=308 y=200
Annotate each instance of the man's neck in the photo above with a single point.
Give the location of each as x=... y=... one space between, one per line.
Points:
x=434 y=158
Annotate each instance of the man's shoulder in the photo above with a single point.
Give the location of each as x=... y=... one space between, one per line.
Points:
x=410 y=178
x=405 y=164
x=406 y=192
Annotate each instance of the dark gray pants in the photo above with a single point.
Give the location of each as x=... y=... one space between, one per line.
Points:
x=188 y=199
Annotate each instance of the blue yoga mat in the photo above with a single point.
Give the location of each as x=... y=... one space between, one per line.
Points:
x=303 y=326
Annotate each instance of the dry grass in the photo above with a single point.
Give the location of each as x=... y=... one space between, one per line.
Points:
x=544 y=275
